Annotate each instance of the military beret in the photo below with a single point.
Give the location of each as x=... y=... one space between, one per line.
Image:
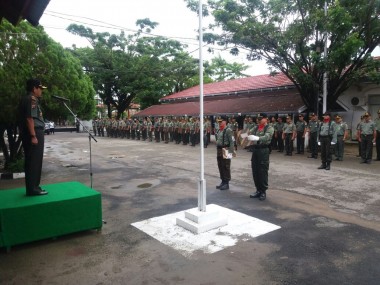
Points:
x=326 y=114
x=262 y=115
x=366 y=114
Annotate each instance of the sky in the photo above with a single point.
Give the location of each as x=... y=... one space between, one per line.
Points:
x=175 y=21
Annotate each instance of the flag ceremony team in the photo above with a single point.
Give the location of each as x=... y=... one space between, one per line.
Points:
x=259 y=135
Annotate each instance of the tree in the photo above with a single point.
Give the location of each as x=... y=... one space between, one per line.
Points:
x=290 y=36
x=25 y=52
x=221 y=70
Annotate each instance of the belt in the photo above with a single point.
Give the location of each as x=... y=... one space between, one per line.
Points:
x=39 y=128
x=260 y=146
x=367 y=135
x=220 y=146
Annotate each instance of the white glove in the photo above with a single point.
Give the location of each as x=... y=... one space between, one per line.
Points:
x=319 y=143
x=332 y=143
x=229 y=156
x=253 y=138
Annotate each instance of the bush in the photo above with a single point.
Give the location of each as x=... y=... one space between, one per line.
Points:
x=16 y=166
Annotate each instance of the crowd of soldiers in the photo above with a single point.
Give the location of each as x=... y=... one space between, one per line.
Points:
x=288 y=131
x=181 y=130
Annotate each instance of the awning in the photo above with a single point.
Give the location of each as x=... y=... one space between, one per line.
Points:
x=16 y=10
x=284 y=104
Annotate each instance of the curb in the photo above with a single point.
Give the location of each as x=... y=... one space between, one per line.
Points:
x=9 y=176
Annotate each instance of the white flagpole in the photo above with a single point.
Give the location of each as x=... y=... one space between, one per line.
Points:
x=202 y=182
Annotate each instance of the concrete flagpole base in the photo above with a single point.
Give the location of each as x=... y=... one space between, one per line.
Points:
x=200 y=222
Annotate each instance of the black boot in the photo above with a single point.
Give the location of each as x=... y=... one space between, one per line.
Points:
x=323 y=166
x=328 y=166
x=225 y=186
x=255 y=195
x=263 y=196
x=220 y=185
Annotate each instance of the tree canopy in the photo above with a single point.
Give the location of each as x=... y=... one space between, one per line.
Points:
x=290 y=35
x=28 y=52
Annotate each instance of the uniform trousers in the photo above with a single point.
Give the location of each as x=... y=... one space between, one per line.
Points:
x=224 y=165
x=339 y=147
x=367 y=146
x=33 y=160
x=326 y=154
x=260 y=167
x=288 y=143
x=300 y=142
x=314 y=144
x=280 y=141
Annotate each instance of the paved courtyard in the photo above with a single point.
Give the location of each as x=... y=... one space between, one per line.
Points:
x=328 y=221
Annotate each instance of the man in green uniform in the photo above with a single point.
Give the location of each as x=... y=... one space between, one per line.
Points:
x=279 y=128
x=224 y=141
x=312 y=129
x=341 y=133
x=32 y=128
x=261 y=137
x=301 y=131
x=327 y=138
x=288 y=135
x=367 y=136
x=377 y=123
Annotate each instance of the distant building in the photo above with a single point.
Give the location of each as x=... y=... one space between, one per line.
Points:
x=275 y=95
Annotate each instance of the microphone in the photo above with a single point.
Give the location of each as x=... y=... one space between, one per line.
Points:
x=60 y=98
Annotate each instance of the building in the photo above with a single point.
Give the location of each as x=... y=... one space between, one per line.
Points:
x=275 y=95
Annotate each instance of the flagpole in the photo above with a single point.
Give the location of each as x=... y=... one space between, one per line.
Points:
x=202 y=181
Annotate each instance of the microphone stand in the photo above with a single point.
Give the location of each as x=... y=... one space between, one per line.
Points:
x=90 y=136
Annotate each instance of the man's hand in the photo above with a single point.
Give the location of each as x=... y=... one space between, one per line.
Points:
x=34 y=140
x=253 y=138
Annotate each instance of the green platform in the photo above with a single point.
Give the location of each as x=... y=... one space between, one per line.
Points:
x=69 y=207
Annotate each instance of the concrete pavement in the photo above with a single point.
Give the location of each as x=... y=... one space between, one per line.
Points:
x=329 y=220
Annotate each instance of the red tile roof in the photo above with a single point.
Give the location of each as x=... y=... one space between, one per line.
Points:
x=233 y=86
x=287 y=101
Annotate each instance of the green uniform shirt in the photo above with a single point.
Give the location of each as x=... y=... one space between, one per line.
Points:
x=367 y=128
x=377 y=123
x=225 y=138
x=265 y=135
x=300 y=126
x=341 y=128
x=328 y=129
x=313 y=126
x=289 y=128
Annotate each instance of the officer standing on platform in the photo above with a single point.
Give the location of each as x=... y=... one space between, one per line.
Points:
x=327 y=137
x=262 y=137
x=377 y=123
x=32 y=128
x=224 y=140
